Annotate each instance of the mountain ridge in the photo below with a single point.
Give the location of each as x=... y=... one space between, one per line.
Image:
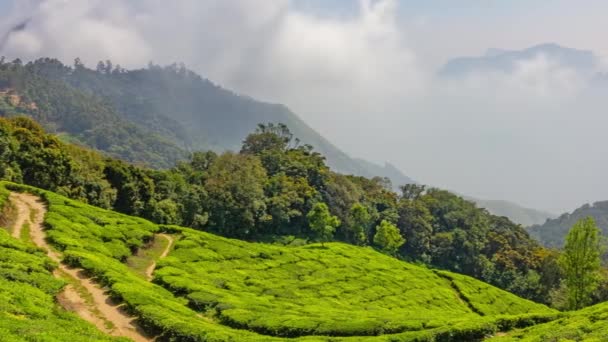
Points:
x=189 y=111
x=503 y=60
x=553 y=232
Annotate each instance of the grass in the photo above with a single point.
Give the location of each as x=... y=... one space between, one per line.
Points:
x=24 y=234
x=211 y=288
x=144 y=257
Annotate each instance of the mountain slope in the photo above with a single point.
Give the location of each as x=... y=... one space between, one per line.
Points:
x=516 y=213
x=184 y=109
x=82 y=117
x=499 y=60
x=553 y=232
x=372 y=298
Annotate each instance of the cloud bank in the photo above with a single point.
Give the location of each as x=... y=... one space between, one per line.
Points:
x=365 y=78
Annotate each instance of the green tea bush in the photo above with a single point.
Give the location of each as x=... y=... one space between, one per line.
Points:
x=27 y=290
x=337 y=290
x=588 y=325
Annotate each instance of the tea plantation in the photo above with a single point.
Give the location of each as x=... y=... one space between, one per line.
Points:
x=336 y=290
x=27 y=290
x=589 y=325
x=211 y=288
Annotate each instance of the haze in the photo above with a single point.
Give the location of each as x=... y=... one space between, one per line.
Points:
x=365 y=75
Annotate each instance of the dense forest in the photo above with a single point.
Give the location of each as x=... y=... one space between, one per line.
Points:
x=267 y=192
x=552 y=233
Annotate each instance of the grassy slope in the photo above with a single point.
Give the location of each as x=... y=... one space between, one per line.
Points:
x=589 y=325
x=28 y=311
x=339 y=290
x=226 y=285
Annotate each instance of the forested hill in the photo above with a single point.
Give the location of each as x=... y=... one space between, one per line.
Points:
x=276 y=190
x=553 y=232
x=79 y=116
x=180 y=107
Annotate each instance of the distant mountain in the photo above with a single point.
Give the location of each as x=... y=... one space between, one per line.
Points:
x=553 y=232
x=172 y=105
x=516 y=213
x=507 y=60
x=397 y=177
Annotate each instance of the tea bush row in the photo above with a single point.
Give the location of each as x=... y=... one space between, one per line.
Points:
x=28 y=311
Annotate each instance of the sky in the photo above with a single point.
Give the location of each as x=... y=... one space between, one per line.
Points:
x=364 y=74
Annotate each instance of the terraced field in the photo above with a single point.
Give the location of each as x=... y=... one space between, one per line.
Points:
x=210 y=288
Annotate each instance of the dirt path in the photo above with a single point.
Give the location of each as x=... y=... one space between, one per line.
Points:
x=152 y=266
x=22 y=215
x=84 y=296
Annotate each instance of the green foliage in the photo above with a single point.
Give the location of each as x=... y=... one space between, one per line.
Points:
x=360 y=223
x=388 y=237
x=266 y=191
x=553 y=232
x=581 y=262
x=322 y=222
x=587 y=325
x=340 y=290
x=27 y=290
x=235 y=185
x=215 y=289
x=40 y=90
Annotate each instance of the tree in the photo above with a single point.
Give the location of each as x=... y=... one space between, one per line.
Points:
x=388 y=237
x=235 y=187
x=412 y=191
x=581 y=262
x=360 y=221
x=415 y=222
x=322 y=222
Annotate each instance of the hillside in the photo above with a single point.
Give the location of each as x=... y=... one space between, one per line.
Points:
x=553 y=232
x=588 y=324
x=213 y=288
x=166 y=111
x=28 y=291
x=516 y=213
x=80 y=117
x=266 y=192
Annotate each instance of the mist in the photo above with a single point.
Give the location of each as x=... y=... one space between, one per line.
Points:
x=365 y=75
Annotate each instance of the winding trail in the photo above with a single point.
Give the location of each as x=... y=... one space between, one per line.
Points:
x=100 y=309
x=150 y=269
x=22 y=214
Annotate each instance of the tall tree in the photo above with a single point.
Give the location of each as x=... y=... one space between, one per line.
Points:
x=235 y=187
x=360 y=222
x=388 y=237
x=581 y=262
x=322 y=222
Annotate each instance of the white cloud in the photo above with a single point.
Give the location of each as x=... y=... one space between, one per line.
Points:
x=90 y=29
x=365 y=80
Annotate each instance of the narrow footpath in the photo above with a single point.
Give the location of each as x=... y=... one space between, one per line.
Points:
x=152 y=267
x=99 y=309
